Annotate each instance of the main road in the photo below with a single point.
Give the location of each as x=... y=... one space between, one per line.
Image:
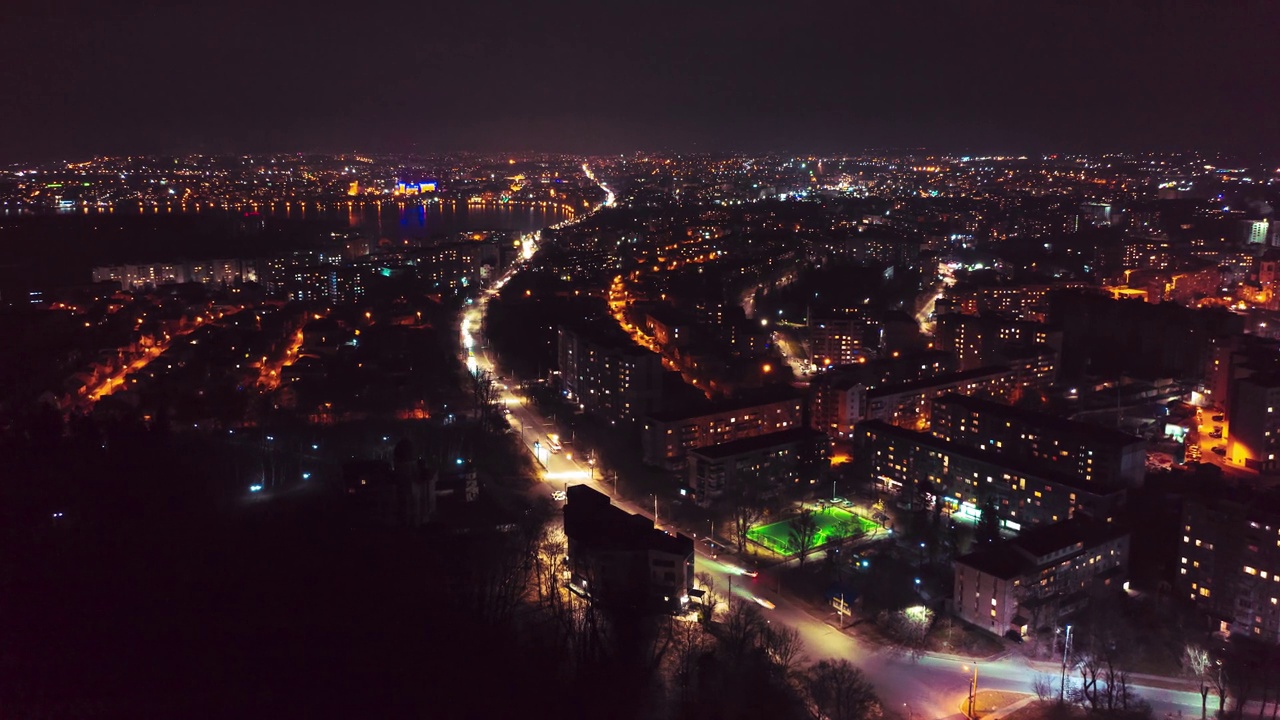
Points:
x=933 y=686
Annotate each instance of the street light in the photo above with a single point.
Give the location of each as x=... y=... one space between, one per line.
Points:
x=1066 y=648
x=973 y=691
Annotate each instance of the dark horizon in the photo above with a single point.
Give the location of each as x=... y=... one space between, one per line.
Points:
x=985 y=77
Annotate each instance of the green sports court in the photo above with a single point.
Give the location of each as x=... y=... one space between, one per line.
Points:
x=831 y=521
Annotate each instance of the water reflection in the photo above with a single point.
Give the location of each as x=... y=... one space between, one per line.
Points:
x=389 y=219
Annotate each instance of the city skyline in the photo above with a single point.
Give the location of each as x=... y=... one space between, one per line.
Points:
x=868 y=361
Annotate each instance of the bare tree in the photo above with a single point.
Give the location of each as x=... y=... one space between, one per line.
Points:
x=783 y=647
x=803 y=533
x=485 y=394
x=742 y=630
x=1045 y=687
x=1032 y=599
x=837 y=690
x=1220 y=679
x=691 y=643
x=747 y=505
x=1197 y=664
x=1091 y=669
x=710 y=600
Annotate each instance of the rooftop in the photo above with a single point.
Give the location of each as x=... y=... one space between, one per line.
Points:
x=1011 y=463
x=768 y=396
x=1018 y=556
x=1029 y=418
x=759 y=443
x=948 y=379
x=589 y=516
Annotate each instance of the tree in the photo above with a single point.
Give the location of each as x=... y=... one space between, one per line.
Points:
x=1045 y=687
x=989 y=521
x=1219 y=678
x=1033 y=601
x=1104 y=640
x=1197 y=664
x=743 y=627
x=710 y=600
x=910 y=627
x=485 y=394
x=691 y=643
x=838 y=691
x=804 y=532
x=746 y=503
x=783 y=647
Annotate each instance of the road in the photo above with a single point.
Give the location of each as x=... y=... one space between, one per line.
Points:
x=930 y=687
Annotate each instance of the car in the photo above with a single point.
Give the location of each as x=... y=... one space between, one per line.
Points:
x=1220 y=450
x=1218 y=418
x=559 y=495
x=1216 y=434
x=764 y=603
x=713 y=550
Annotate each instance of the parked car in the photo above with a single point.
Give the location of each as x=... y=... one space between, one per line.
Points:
x=1220 y=450
x=559 y=496
x=1218 y=418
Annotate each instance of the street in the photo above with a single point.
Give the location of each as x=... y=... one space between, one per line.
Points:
x=932 y=686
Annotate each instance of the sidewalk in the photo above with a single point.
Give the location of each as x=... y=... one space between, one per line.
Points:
x=1163 y=682
x=1010 y=709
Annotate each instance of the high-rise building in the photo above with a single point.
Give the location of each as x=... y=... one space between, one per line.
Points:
x=776 y=460
x=1229 y=564
x=1021 y=302
x=979 y=340
x=1254 y=232
x=836 y=340
x=913 y=463
x=1253 y=421
x=1091 y=453
x=607 y=374
x=668 y=436
x=835 y=396
x=908 y=404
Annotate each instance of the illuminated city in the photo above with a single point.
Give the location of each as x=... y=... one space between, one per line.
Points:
x=833 y=366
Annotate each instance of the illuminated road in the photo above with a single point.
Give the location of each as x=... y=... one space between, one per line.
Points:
x=931 y=687
x=116 y=380
x=924 y=318
x=608 y=194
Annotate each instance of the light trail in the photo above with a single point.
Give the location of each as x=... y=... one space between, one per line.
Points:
x=609 y=197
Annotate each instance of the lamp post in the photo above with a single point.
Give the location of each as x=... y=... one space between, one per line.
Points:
x=973 y=693
x=1066 y=648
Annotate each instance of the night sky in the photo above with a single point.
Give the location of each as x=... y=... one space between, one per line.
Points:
x=128 y=76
